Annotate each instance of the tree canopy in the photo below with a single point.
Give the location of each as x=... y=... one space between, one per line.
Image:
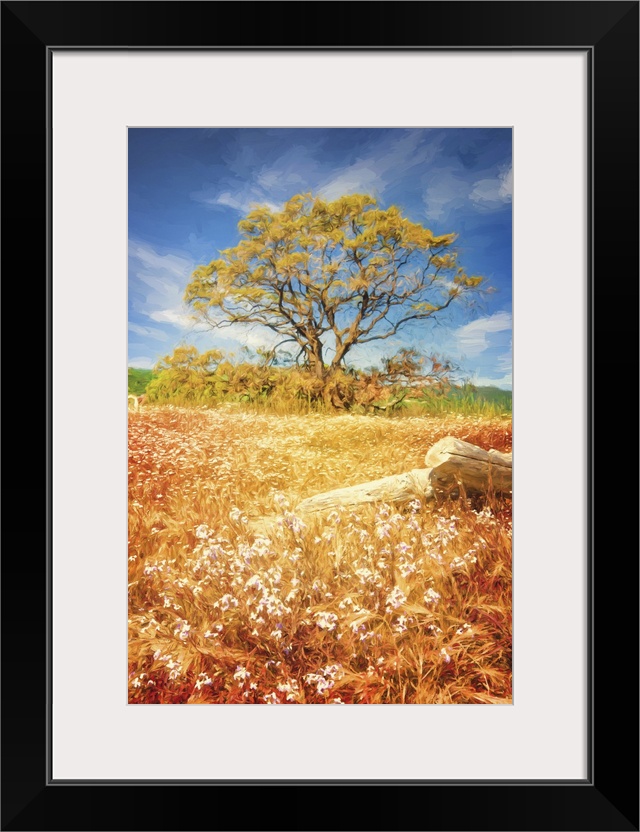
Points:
x=327 y=276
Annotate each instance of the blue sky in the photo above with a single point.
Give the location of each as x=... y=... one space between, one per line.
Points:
x=189 y=188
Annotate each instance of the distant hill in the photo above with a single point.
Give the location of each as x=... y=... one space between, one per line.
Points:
x=138 y=380
x=495 y=394
x=468 y=399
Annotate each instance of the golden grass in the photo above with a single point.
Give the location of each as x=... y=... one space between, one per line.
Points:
x=384 y=604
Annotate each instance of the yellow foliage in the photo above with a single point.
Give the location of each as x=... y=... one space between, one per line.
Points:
x=301 y=267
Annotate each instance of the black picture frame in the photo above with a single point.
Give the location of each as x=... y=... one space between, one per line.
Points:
x=608 y=798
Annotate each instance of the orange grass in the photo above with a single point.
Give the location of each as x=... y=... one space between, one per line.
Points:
x=381 y=604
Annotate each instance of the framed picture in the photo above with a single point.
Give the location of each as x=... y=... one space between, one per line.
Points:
x=564 y=78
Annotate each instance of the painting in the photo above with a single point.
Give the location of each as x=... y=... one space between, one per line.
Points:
x=320 y=415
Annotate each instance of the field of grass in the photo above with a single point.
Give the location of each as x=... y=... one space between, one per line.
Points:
x=383 y=604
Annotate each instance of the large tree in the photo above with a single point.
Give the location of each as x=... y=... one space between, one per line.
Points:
x=327 y=276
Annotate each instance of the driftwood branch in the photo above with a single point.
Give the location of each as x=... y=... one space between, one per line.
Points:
x=450 y=463
x=388 y=489
x=454 y=462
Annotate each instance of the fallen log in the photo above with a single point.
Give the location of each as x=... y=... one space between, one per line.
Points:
x=393 y=489
x=455 y=462
x=450 y=463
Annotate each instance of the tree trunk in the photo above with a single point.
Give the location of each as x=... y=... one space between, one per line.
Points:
x=332 y=395
x=316 y=360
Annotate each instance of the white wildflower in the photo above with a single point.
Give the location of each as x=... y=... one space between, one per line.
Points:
x=326 y=620
x=241 y=675
x=395 y=599
x=271 y=699
x=290 y=688
x=445 y=655
x=431 y=596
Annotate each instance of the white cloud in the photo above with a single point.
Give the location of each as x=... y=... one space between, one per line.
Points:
x=269 y=178
x=235 y=335
x=156 y=287
x=236 y=201
x=361 y=177
x=148 y=332
x=253 y=337
x=296 y=169
x=260 y=184
x=171 y=264
x=472 y=337
x=387 y=163
x=245 y=335
x=449 y=187
x=504 y=362
x=489 y=194
x=243 y=200
x=504 y=383
x=446 y=189
x=179 y=319
x=371 y=355
x=142 y=362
